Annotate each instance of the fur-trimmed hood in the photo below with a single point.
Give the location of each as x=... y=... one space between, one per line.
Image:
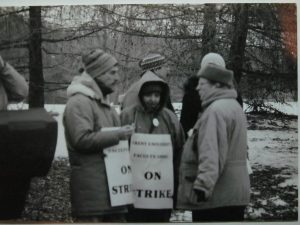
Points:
x=86 y=85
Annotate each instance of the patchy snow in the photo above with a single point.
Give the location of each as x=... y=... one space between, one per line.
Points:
x=263 y=201
x=257 y=213
x=289 y=182
x=278 y=149
x=61 y=147
x=278 y=202
x=266 y=151
x=290 y=108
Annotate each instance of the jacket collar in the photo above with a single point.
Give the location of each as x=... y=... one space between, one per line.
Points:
x=218 y=93
x=86 y=85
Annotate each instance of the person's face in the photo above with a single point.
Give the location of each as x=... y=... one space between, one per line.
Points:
x=109 y=80
x=151 y=101
x=203 y=87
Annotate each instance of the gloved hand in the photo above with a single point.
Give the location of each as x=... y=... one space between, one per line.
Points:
x=200 y=195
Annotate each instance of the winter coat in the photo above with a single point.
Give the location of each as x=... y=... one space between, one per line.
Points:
x=214 y=156
x=13 y=87
x=168 y=122
x=85 y=114
x=131 y=96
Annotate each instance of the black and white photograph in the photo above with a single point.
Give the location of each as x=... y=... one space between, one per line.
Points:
x=148 y=112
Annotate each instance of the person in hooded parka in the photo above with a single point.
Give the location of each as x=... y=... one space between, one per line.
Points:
x=150 y=116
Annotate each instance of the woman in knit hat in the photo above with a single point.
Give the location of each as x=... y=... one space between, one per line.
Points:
x=88 y=112
x=214 y=181
x=150 y=116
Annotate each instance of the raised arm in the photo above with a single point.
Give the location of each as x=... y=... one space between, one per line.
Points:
x=14 y=84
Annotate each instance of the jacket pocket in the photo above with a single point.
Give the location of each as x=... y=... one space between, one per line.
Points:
x=189 y=177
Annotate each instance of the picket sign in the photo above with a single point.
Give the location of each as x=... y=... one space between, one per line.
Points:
x=152 y=170
x=118 y=171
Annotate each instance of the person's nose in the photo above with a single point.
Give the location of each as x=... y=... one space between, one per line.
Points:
x=152 y=98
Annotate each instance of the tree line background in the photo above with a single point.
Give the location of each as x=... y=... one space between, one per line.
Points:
x=258 y=42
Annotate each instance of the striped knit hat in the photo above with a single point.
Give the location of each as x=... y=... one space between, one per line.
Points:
x=97 y=62
x=152 y=61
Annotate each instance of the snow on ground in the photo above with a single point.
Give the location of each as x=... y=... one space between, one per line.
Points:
x=278 y=149
x=61 y=147
x=290 y=108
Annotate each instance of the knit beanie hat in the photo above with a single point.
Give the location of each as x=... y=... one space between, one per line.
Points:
x=151 y=87
x=214 y=58
x=216 y=73
x=152 y=61
x=98 y=62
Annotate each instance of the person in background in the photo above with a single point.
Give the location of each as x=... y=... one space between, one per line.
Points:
x=13 y=188
x=191 y=101
x=87 y=112
x=155 y=63
x=191 y=104
x=214 y=181
x=151 y=116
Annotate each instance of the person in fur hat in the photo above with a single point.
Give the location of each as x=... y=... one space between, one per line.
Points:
x=155 y=63
x=150 y=116
x=214 y=181
x=87 y=112
x=191 y=102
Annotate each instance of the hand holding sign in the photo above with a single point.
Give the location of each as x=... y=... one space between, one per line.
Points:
x=118 y=170
x=126 y=132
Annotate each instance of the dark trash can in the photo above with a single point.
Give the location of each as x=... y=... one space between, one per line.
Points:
x=27 y=146
x=27 y=142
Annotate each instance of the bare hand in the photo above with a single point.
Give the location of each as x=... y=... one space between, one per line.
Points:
x=126 y=132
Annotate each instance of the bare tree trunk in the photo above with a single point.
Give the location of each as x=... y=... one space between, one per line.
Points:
x=36 y=80
x=209 y=29
x=208 y=42
x=238 y=44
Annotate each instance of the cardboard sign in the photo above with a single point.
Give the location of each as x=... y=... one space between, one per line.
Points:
x=152 y=170
x=119 y=176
